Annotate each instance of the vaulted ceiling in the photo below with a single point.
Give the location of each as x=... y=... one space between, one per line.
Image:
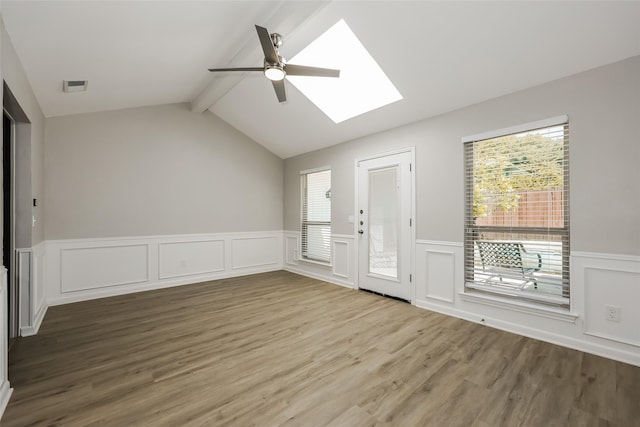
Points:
x=441 y=56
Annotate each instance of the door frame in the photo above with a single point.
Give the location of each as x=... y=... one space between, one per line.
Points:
x=14 y=313
x=412 y=243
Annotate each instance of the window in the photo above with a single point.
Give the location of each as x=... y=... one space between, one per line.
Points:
x=316 y=216
x=517 y=212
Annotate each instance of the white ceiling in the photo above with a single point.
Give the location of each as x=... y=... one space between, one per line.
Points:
x=440 y=55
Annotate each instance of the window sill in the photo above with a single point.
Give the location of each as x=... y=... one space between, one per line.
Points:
x=520 y=306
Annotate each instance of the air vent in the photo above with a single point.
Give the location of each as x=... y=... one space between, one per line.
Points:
x=74 y=85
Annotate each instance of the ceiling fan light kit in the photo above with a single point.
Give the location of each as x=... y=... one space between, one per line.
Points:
x=275 y=68
x=274 y=72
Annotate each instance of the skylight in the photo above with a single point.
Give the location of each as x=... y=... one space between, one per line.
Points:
x=362 y=85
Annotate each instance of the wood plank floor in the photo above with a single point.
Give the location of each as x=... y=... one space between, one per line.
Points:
x=278 y=349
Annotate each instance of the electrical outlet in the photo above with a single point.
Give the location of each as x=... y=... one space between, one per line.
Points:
x=612 y=313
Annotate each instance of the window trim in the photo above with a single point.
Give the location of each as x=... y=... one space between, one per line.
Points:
x=538 y=124
x=302 y=258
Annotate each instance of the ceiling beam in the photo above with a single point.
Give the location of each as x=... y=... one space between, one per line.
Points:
x=286 y=18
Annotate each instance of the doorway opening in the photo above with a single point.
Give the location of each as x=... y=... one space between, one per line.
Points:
x=16 y=211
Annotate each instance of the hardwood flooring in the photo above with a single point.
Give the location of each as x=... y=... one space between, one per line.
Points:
x=278 y=349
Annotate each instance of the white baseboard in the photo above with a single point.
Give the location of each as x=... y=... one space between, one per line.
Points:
x=27 y=331
x=5 y=395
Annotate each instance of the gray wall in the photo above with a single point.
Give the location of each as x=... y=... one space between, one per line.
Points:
x=156 y=171
x=29 y=177
x=603 y=107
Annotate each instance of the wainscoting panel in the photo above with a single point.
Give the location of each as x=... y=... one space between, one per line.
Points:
x=291 y=248
x=251 y=252
x=440 y=275
x=29 y=262
x=437 y=270
x=597 y=281
x=610 y=282
x=344 y=262
x=342 y=270
x=340 y=257
x=25 y=286
x=178 y=259
x=77 y=270
x=99 y=267
x=39 y=301
x=5 y=387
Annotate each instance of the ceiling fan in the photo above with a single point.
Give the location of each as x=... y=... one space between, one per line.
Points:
x=275 y=68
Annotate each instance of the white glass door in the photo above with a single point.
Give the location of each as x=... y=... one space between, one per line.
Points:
x=384 y=224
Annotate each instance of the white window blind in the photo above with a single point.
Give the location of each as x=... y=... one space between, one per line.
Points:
x=316 y=216
x=517 y=215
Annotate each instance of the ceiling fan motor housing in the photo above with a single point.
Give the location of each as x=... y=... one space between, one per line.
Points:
x=276 y=39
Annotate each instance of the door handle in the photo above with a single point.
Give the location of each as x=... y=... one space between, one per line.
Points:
x=361 y=231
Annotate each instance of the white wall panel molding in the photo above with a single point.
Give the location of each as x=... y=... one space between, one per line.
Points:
x=340 y=258
x=336 y=236
x=438 y=270
x=291 y=247
x=257 y=251
x=179 y=259
x=103 y=266
x=23 y=278
x=39 y=262
x=605 y=257
x=83 y=269
x=439 y=244
x=342 y=270
x=5 y=387
x=33 y=307
x=625 y=355
x=597 y=281
x=610 y=282
x=343 y=258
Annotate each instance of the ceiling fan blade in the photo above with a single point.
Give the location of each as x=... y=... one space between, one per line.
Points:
x=270 y=53
x=238 y=69
x=303 y=70
x=278 y=85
